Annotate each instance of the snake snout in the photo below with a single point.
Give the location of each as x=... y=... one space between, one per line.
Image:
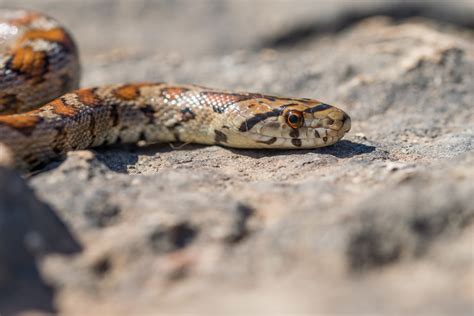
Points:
x=346 y=123
x=338 y=121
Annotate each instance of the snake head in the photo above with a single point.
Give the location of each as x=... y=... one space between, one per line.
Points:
x=272 y=122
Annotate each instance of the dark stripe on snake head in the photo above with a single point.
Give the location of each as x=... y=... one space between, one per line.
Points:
x=254 y=120
x=318 y=108
x=220 y=137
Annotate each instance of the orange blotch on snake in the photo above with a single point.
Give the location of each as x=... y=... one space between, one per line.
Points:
x=130 y=92
x=23 y=123
x=29 y=62
x=52 y=35
x=60 y=108
x=55 y=35
x=88 y=97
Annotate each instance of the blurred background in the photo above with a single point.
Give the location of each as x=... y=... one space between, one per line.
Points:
x=207 y=27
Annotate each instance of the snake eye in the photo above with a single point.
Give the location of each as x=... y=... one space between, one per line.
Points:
x=294 y=119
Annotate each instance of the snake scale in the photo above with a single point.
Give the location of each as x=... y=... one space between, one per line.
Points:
x=43 y=116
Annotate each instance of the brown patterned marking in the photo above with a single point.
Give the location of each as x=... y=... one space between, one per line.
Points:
x=88 y=97
x=59 y=107
x=187 y=114
x=58 y=143
x=316 y=134
x=92 y=129
x=295 y=133
x=114 y=114
x=220 y=137
x=129 y=92
x=23 y=123
x=149 y=112
x=268 y=142
x=249 y=123
x=32 y=63
x=325 y=139
x=296 y=142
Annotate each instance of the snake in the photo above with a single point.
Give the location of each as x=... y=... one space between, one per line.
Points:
x=44 y=114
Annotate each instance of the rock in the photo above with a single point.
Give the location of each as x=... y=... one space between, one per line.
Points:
x=29 y=230
x=379 y=223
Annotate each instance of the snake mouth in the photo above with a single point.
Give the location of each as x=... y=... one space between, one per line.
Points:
x=346 y=124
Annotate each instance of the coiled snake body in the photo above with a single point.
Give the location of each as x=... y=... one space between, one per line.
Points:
x=39 y=62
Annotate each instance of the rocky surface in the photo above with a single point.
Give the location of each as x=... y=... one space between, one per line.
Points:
x=29 y=230
x=381 y=222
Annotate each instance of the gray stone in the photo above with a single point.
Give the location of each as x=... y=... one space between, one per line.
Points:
x=29 y=230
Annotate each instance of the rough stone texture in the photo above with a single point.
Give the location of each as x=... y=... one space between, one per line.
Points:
x=29 y=230
x=381 y=222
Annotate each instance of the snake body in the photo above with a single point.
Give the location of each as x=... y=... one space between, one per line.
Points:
x=40 y=119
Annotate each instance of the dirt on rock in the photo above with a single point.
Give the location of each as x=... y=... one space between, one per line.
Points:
x=379 y=223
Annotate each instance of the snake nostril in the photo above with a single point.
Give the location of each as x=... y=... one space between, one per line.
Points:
x=327 y=121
